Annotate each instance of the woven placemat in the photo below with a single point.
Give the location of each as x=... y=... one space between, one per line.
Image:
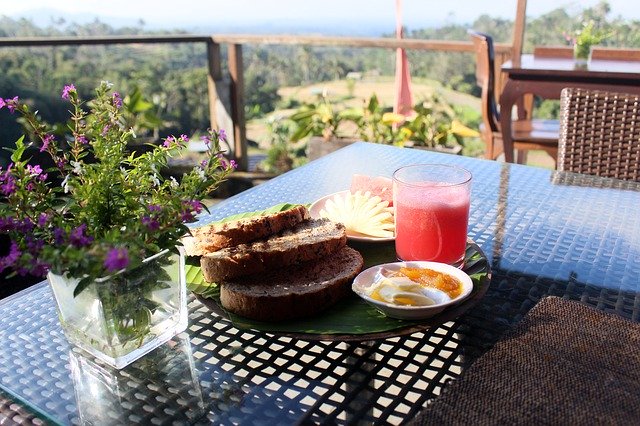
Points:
x=564 y=363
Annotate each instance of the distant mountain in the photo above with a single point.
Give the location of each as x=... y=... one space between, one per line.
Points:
x=44 y=17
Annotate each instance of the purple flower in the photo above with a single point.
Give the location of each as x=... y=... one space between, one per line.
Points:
x=117 y=100
x=168 y=141
x=78 y=238
x=105 y=130
x=34 y=170
x=34 y=246
x=31 y=186
x=68 y=89
x=2 y=103
x=12 y=104
x=26 y=225
x=82 y=139
x=46 y=141
x=187 y=216
x=9 y=185
x=39 y=269
x=222 y=135
x=196 y=206
x=42 y=177
x=233 y=164
x=184 y=138
x=7 y=224
x=151 y=223
x=11 y=258
x=117 y=258
x=61 y=163
x=154 y=208
x=43 y=219
x=204 y=164
x=59 y=236
x=206 y=139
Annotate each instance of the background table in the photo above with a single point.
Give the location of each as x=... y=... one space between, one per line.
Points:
x=545 y=233
x=546 y=77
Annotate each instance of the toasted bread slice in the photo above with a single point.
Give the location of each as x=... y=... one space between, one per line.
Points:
x=210 y=238
x=309 y=240
x=293 y=292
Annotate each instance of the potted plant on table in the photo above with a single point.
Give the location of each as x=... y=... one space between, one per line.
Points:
x=108 y=235
x=586 y=37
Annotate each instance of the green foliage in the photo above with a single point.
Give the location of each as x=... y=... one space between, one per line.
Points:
x=283 y=154
x=431 y=123
x=318 y=119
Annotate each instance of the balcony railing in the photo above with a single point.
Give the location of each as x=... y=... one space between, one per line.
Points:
x=226 y=89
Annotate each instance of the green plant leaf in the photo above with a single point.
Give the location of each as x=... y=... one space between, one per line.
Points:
x=17 y=153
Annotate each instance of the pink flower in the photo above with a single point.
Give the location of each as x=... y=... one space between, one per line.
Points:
x=46 y=141
x=11 y=104
x=66 y=92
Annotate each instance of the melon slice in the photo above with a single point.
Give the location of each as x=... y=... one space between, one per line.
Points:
x=378 y=186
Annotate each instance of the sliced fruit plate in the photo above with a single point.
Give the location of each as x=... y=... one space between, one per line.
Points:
x=367 y=217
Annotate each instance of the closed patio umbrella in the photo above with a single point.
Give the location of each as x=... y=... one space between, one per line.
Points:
x=403 y=101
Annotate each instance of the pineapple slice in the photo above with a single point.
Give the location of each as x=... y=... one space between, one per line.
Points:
x=361 y=213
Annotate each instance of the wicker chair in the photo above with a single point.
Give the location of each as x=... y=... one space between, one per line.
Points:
x=600 y=133
x=527 y=134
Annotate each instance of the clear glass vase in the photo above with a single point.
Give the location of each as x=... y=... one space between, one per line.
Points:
x=120 y=318
x=581 y=53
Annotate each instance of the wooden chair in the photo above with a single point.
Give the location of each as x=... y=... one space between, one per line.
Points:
x=612 y=54
x=564 y=52
x=600 y=133
x=527 y=134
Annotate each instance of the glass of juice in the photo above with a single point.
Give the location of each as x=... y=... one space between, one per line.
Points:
x=431 y=203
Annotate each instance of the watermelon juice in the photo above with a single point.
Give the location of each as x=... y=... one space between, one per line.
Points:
x=431 y=212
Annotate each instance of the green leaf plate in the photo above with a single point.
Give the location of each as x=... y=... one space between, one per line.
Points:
x=352 y=319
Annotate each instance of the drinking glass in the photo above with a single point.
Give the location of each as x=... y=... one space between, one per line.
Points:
x=431 y=203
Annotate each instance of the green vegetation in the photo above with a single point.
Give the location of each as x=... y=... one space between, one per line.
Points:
x=171 y=80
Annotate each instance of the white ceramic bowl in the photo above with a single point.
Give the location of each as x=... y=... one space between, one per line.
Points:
x=367 y=278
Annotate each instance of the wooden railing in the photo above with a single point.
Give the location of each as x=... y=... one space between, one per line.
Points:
x=226 y=90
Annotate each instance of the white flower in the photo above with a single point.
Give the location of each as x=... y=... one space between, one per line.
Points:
x=155 y=180
x=77 y=167
x=200 y=173
x=174 y=183
x=109 y=85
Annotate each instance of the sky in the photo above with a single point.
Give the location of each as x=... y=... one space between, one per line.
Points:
x=350 y=14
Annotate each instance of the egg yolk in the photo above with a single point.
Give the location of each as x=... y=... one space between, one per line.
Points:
x=431 y=278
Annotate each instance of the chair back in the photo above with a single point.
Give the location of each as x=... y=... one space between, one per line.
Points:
x=485 y=78
x=600 y=133
x=564 y=52
x=606 y=53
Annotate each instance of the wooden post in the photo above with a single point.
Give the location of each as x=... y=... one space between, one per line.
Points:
x=213 y=78
x=236 y=71
x=518 y=30
x=525 y=105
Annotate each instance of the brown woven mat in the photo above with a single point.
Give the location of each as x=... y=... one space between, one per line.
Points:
x=564 y=363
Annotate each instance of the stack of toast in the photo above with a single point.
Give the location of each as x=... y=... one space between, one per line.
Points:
x=276 y=267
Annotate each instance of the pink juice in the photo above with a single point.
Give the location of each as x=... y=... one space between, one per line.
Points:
x=431 y=222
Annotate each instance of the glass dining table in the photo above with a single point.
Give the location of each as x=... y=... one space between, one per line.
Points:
x=542 y=233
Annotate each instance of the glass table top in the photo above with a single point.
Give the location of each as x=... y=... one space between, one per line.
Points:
x=544 y=232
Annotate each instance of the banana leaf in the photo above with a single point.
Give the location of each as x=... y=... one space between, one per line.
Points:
x=352 y=318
